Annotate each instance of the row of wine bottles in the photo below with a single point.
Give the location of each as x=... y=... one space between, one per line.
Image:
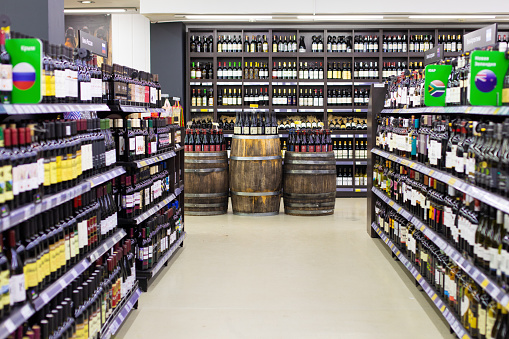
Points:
x=335 y=43
x=139 y=139
x=480 y=315
x=155 y=236
x=89 y=302
x=68 y=78
x=39 y=159
x=347 y=177
x=204 y=140
x=474 y=150
x=255 y=124
x=347 y=149
x=40 y=250
x=309 y=140
x=306 y=71
x=307 y=97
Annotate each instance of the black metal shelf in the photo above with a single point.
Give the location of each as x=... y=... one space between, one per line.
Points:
x=492 y=199
x=145 y=276
x=476 y=274
x=121 y=312
x=21 y=314
x=479 y=110
x=49 y=108
x=449 y=316
x=148 y=161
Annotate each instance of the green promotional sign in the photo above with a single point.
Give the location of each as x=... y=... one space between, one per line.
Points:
x=488 y=69
x=26 y=58
x=435 y=85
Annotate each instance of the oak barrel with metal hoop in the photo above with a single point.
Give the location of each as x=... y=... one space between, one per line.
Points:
x=206 y=175
x=309 y=183
x=256 y=174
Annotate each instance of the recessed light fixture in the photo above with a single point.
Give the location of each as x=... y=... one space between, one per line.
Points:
x=228 y=17
x=87 y=2
x=94 y=10
x=340 y=17
x=445 y=16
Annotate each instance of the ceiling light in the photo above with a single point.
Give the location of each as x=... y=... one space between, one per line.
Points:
x=339 y=17
x=228 y=17
x=94 y=10
x=451 y=17
x=87 y=2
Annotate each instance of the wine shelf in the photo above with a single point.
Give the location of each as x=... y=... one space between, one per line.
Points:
x=24 y=312
x=28 y=211
x=148 y=161
x=121 y=312
x=145 y=276
x=49 y=108
x=449 y=316
x=139 y=219
x=480 y=110
x=107 y=176
x=134 y=109
x=483 y=195
x=477 y=275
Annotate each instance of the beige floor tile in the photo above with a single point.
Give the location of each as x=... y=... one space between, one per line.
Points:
x=284 y=277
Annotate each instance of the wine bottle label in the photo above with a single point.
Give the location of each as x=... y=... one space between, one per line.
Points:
x=17 y=288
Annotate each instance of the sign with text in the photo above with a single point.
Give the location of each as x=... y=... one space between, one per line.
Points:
x=488 y=70
x=435 y=84
x=26 y=58
x=434 y=54
x=93 y=44
x=480 y=38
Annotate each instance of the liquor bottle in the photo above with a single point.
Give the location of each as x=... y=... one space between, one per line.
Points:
x=6 y=81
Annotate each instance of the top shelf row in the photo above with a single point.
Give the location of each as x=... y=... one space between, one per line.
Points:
x=13 y=109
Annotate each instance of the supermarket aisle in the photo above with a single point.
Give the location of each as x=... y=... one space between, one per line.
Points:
x=284 y=277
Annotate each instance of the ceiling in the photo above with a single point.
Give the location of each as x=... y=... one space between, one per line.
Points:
x=103 y=4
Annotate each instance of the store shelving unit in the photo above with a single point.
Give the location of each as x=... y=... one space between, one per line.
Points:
x=21 y=314
x=477 y=274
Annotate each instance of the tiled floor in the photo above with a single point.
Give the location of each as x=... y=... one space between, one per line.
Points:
x=284 y=277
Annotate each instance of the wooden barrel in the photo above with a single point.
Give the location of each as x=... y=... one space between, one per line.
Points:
x=206 y=180
x=255 y=174
x=309 y=184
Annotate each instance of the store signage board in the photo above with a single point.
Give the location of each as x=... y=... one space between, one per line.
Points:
x=480 y=38
x=93 y=44
x=435 y=84
x=488 y=70
x=434 y=54
x=26 y=58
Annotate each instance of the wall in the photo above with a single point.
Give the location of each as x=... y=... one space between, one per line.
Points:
x=318 y=6
x=131 y=41
x=167 y=42
x=44 y=20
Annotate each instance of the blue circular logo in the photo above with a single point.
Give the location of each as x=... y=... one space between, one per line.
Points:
x=485 y=81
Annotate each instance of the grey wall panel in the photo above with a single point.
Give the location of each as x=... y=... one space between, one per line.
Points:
x=167 y=57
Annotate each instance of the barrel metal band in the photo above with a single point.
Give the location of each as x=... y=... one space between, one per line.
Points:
x=205 y=161
x=205 y=195
x=307 y=205
x=255 y=194
x=205 y=154
x=204 y=170
x=306 y=162
x=275 y=136
x=311 y=172
x=256 y=214
x=273 y=157
x=309 y=195
x=307 y=155
x=186 y=212
x=222 y=204
x=307 y=212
